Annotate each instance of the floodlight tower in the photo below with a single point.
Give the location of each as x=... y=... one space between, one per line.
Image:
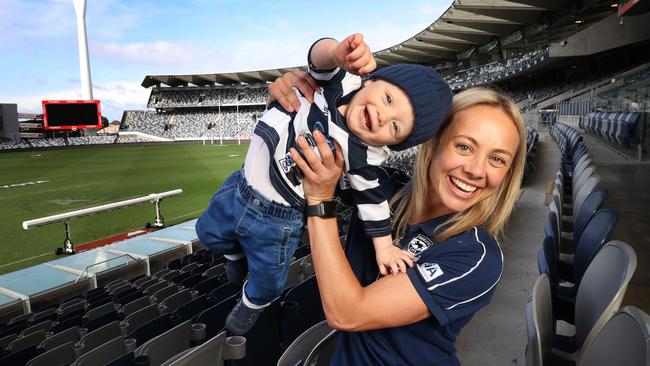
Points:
x=84 y=62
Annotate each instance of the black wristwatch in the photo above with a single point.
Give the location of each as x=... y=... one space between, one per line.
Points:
x=323 y=209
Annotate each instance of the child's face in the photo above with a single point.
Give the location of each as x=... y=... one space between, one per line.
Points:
x=380 y=114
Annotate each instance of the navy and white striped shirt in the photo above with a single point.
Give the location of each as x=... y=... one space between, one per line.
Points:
x=277 y=130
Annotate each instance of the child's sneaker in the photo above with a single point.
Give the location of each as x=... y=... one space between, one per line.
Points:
x=236 y=270
x=241 y=318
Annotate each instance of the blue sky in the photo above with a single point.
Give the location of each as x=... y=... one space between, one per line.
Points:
x=131 y=39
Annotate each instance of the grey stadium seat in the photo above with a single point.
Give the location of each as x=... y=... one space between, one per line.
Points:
x=539 y=322
x=624 y=340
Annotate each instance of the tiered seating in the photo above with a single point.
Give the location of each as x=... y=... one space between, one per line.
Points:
x=91 y=140
x=620 y=128
x=197 y=124
x=175 y=315
x=13 y=145
x=207 y=97
x=583 y=275
x=497 y=70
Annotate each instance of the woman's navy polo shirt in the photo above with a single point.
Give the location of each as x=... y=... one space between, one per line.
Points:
x=455 y=278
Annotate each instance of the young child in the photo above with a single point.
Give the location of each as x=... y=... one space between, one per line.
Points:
x=256 y=218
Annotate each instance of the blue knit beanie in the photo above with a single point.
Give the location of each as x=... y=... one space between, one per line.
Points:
x=430 y=98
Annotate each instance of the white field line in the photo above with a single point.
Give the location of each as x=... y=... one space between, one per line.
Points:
x=26 y=259
x=50 y=190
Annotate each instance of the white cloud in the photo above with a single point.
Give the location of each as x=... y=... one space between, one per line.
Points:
x=154 y=53
x=22 y=21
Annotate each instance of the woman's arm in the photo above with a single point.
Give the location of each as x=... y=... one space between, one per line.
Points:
x=390 y=301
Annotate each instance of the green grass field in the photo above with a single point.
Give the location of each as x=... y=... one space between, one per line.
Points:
x=80 y=178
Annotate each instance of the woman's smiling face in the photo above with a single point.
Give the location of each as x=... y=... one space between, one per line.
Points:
x=474 y=156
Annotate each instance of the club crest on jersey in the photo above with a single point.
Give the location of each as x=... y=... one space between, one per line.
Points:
x=430 y=271
x=319 y=126
x=419 y=244
x=287 y=163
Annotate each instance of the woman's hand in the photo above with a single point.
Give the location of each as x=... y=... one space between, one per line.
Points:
x=281 y=90
x=320 y=177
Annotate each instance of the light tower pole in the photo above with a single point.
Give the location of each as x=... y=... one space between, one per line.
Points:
x=84 y=62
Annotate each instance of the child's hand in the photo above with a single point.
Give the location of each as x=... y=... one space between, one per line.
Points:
x=391 y=259
x=353 y=54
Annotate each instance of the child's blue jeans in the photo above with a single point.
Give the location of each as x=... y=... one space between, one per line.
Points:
x=239 y=219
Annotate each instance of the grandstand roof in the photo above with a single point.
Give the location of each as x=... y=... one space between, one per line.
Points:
x=467 y=26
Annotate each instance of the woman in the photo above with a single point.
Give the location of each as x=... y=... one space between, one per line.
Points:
x=464 y=187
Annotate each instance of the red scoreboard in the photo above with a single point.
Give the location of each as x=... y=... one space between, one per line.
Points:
x=71 y=114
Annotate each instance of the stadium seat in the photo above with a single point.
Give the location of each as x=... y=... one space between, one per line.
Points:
x=539 y=322
x=263 y=340
x=301 y=308
x=44 y=325
x=589 y=185
x=322 y=354
x=71 y=321
x=300 y=348
x=592 y=203
x=599 y=296
x=4 y=341
x=100 y=310
x=176 y=300
x=152 y=328
x=128 y=296
x=572 y=268
x=160 y=295
x=171 y=342
x=135 y=305
x=60 y=355
x=209 y=284
x=213 y=352
x=623 y=340
x=192 y=280
x=97 y=337
x=142 y=316
x=66 y=336
x=19 y=357
x=30 y=340
x=548 y=254
x=192 y=308
x=215 y=317
x=106 y=352
x=155 y=287
x=99 y=322
x=225 y=291
x=214 y=270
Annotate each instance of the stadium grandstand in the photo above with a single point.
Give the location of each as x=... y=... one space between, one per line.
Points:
x=576 y=282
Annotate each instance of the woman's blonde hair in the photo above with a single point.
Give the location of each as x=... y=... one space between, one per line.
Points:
x=492 y=212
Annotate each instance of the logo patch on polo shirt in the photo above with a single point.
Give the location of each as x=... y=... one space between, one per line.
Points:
x=430 y=271
x=419 y=244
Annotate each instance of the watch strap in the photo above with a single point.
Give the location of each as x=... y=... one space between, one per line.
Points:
x=323 y=209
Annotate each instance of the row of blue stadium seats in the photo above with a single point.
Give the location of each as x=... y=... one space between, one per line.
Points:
x=583 y=275
x=617 y=127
